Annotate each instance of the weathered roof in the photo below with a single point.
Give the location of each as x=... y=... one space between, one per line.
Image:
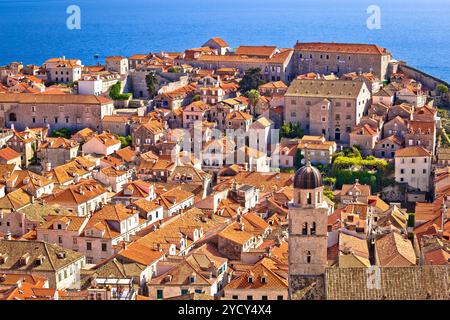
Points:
x=31 y=98
x=340 y=47
x=325 y=88
x=15 y=249
x=395 y=283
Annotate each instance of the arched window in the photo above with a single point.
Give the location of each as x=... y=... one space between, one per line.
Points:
x=308 y=198
x=12 y=117
x=313 y=229
x=308 y=257
x=305 y=229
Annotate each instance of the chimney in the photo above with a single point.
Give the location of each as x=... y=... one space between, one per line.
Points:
x=48 y=166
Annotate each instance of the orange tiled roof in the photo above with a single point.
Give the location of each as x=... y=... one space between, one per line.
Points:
x=239 y=115
x=412 y=152
x=423 y=127
x=139 y=57
x=126 y=154
x=115 y=58
x=262 y=51
x=365 y=129
x=116 y=118
x=274 y=85
x=263 y=277
x=58 y=143
x=60 y=99
x=220 y=42
x=395 y=251
x=78 y=193
x=8 y=154
x=341 y=48
x=107 y=139
x=135 y=189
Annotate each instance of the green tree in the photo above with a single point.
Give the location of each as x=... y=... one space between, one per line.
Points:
x=196 y=97
x=115 y=92
x=442 y=89
x=62 y=133
x=291 y=131
x=152 y=84
x=329 y=194
x=251 y=80
x=174 y=70
x=298 y=158
x=287 y=170
x=329 y=181
x=254 y=96
x=34 y=160
x=125 y=141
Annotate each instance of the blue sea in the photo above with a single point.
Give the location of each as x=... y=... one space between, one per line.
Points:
x=33 y=30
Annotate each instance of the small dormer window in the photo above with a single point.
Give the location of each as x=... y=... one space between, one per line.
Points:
x=250 y=279
x=24 y=259
x=263 y=279
x=40 y=260
x=192 y=278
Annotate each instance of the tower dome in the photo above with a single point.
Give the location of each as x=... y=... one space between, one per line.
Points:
x=307 y=178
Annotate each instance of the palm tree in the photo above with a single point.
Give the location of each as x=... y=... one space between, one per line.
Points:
x=152 y=83
x=34 y=160
x=253 y=95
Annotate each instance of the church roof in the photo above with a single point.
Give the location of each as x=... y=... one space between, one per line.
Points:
x=307 y=177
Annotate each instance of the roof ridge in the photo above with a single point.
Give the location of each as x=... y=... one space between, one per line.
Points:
x=49 y=256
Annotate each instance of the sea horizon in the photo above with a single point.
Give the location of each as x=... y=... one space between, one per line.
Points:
x=33 y=31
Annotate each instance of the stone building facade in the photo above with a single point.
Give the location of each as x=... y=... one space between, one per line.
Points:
x=341 y=58
x=63 y=70
x=276 y=65
x=57 y=151
x=117 y=64
x=413 y=166
x=421 y=133
x=55 y=111
x=332 y=108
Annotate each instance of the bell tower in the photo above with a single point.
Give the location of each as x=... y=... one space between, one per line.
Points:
x=308 y=218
